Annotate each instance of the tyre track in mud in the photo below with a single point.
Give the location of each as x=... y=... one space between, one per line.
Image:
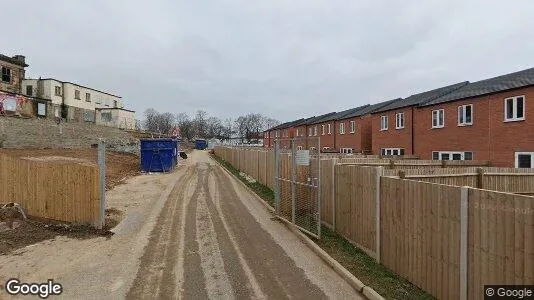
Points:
x=156 y=275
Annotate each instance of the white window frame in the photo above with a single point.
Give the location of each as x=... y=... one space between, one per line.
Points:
x=299 y=147
x=323 y=129
x=342 y=128
x=329 y=129
x=399 y=120
x=435 y=117
x=384 y=123
x=392 y=151
x=346 y=151
x=462 y=115
x=524 y=153
x=451 y=153
x=514 y=117
x=352 y=127
x=315 y=130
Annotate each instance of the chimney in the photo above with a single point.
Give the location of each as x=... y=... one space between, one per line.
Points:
x=20 y=58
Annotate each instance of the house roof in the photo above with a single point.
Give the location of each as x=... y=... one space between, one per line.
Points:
x=488 y=86
x=286 y=125
x=367 y=109
x=319 y=119
x=12 y=60
x=423 y=97
x=79 y=85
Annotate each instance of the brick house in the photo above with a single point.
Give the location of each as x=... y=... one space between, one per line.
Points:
x=12 y=72
x=353 y=129
x=314 y=126
x=484 y=120
x=393 y=124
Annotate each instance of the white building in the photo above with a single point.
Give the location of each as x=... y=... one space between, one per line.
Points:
x=78 y=103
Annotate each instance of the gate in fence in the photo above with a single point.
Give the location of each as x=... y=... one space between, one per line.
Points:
x=297 y=173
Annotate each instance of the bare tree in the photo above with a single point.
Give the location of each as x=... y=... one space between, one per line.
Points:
x=269 y=123
x=151 y=122
x=185 y=125
x=200 y=123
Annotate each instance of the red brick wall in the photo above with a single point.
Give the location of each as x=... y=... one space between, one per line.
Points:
x=365 y=127
x=349 y=140
x=489 y=138
x=327 y=140
x=392 y=138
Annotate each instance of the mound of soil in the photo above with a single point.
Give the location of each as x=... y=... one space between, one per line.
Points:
x=34 y=231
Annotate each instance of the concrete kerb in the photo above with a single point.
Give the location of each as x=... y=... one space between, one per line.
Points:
x=356 y=284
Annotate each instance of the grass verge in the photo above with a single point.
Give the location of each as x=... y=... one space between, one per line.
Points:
x=261 y=190
x=388 y=284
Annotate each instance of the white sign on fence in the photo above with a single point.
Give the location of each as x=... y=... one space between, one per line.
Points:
x=303 y=157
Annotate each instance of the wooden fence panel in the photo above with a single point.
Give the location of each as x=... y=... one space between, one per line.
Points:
x=327 y=190
x=355 y=201
x=500 y=240
x=56 y=190
x=420 y=234
x=522 y=183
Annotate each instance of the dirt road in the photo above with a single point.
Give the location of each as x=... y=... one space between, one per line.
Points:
x=214 y=240
x=203 y=236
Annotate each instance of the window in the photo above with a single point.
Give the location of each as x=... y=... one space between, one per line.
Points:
x=399 y=121
x=277 y=134
x=106 y=116
x=299 y=147
x=322 y=128
x=342 y=128
x=452 y=155
x=384 y=123
x=41 y=109
x=514 y=109
x=329 y=129
x=465 y=115
x=29 y=90
x=115 y=103
x=315 y=130
x=326 y=148
x=87 y=97
x=346 y=150
x=438 y=118
x=6 y=74
x=57 y=90
x=352 y=126
x=298 y=132
x=311 y=132
x=392 y=151
x=77 y=94
x=524 y=159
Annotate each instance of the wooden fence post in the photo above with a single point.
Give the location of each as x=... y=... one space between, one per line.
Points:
x=379 y=173
x=464 y=223
x=480 y=178
x=334 y=163
x=392 y=164
x=102 y=182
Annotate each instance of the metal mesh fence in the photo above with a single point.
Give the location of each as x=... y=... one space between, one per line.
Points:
x=297 y=188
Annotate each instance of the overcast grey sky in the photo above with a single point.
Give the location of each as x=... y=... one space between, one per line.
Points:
x=284 y=58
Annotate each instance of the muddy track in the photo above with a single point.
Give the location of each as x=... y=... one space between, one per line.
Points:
x=156 y=275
